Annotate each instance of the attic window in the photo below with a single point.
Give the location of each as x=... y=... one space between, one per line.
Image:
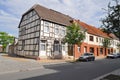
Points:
x=23 y=31
x=34 y=13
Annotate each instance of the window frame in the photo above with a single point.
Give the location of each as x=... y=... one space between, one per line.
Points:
x=91 y=38
x=43 y=43
x=46 y=27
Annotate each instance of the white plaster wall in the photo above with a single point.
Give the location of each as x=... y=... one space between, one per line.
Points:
x=92 y=42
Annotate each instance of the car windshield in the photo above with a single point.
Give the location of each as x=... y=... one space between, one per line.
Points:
x=86 y=54
x=113 y=54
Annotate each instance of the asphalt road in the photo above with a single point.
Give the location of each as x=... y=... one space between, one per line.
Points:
x=67 y=71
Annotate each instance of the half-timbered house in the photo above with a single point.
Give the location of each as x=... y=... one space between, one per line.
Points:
x=41 y=31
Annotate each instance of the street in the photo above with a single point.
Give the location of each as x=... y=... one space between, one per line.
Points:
x=67 y=71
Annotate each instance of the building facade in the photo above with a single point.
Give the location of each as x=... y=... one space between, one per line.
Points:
x=94 y=42
x=41 y=33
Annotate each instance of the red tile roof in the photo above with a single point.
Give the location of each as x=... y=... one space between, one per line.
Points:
x=111 y=35
x=92 y=30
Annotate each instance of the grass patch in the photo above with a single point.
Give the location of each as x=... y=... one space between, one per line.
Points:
x=111 y=77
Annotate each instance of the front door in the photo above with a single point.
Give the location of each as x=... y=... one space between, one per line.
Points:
x=57 y=50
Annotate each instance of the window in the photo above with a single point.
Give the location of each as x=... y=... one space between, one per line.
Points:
x=36 y=34
x=96 y=39
x=56 y=29
x=46 y=27
x=56 y=47
x=30 y=14
x=23 y=44
x=63 y=32
x=91 y=38
x=37 y=28
x=34 y=12
x=23 y=31
x=85 y=49
x=78 y=49
x=100 y=39
x=43 y=45
x=101 y=50
x=36 y=17
x=91 y=49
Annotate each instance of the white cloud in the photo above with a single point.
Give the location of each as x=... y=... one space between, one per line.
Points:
x=89 y=11
x=3 y=13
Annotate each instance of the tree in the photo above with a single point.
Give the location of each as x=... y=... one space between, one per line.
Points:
x=74 y=36
x=111 y=22
x=106 y=43
x=5 y=39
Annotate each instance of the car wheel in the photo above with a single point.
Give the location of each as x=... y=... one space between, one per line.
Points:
x=93 y=59
x=113 y=58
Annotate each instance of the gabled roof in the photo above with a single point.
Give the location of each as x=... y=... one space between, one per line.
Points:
x=92 y=30
x=51 y=15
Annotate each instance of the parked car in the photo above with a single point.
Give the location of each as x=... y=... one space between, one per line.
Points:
x=118 y=55
x=113 y=56
x=87 y=57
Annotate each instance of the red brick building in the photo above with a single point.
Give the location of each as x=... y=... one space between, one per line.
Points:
x=93 y=42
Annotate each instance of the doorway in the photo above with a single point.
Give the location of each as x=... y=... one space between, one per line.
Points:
x=57 y=50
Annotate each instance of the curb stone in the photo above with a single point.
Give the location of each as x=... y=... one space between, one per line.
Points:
x=116 y=72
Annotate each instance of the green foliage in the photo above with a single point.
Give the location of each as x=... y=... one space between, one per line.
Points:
x=5 y=39
x=118 y=45
x=106 y=42
x=74 y=34
x=111 y=23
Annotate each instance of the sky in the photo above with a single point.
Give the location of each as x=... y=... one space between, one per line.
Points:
x=88 y=11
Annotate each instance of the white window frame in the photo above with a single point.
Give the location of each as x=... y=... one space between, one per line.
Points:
x=78 y=49
x=56 y=29
x=63 y=32
x=43 y=46
x=46 y=27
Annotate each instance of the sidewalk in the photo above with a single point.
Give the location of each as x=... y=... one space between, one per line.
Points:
x=10 y=64
x=116 y=72
x=100 y=57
